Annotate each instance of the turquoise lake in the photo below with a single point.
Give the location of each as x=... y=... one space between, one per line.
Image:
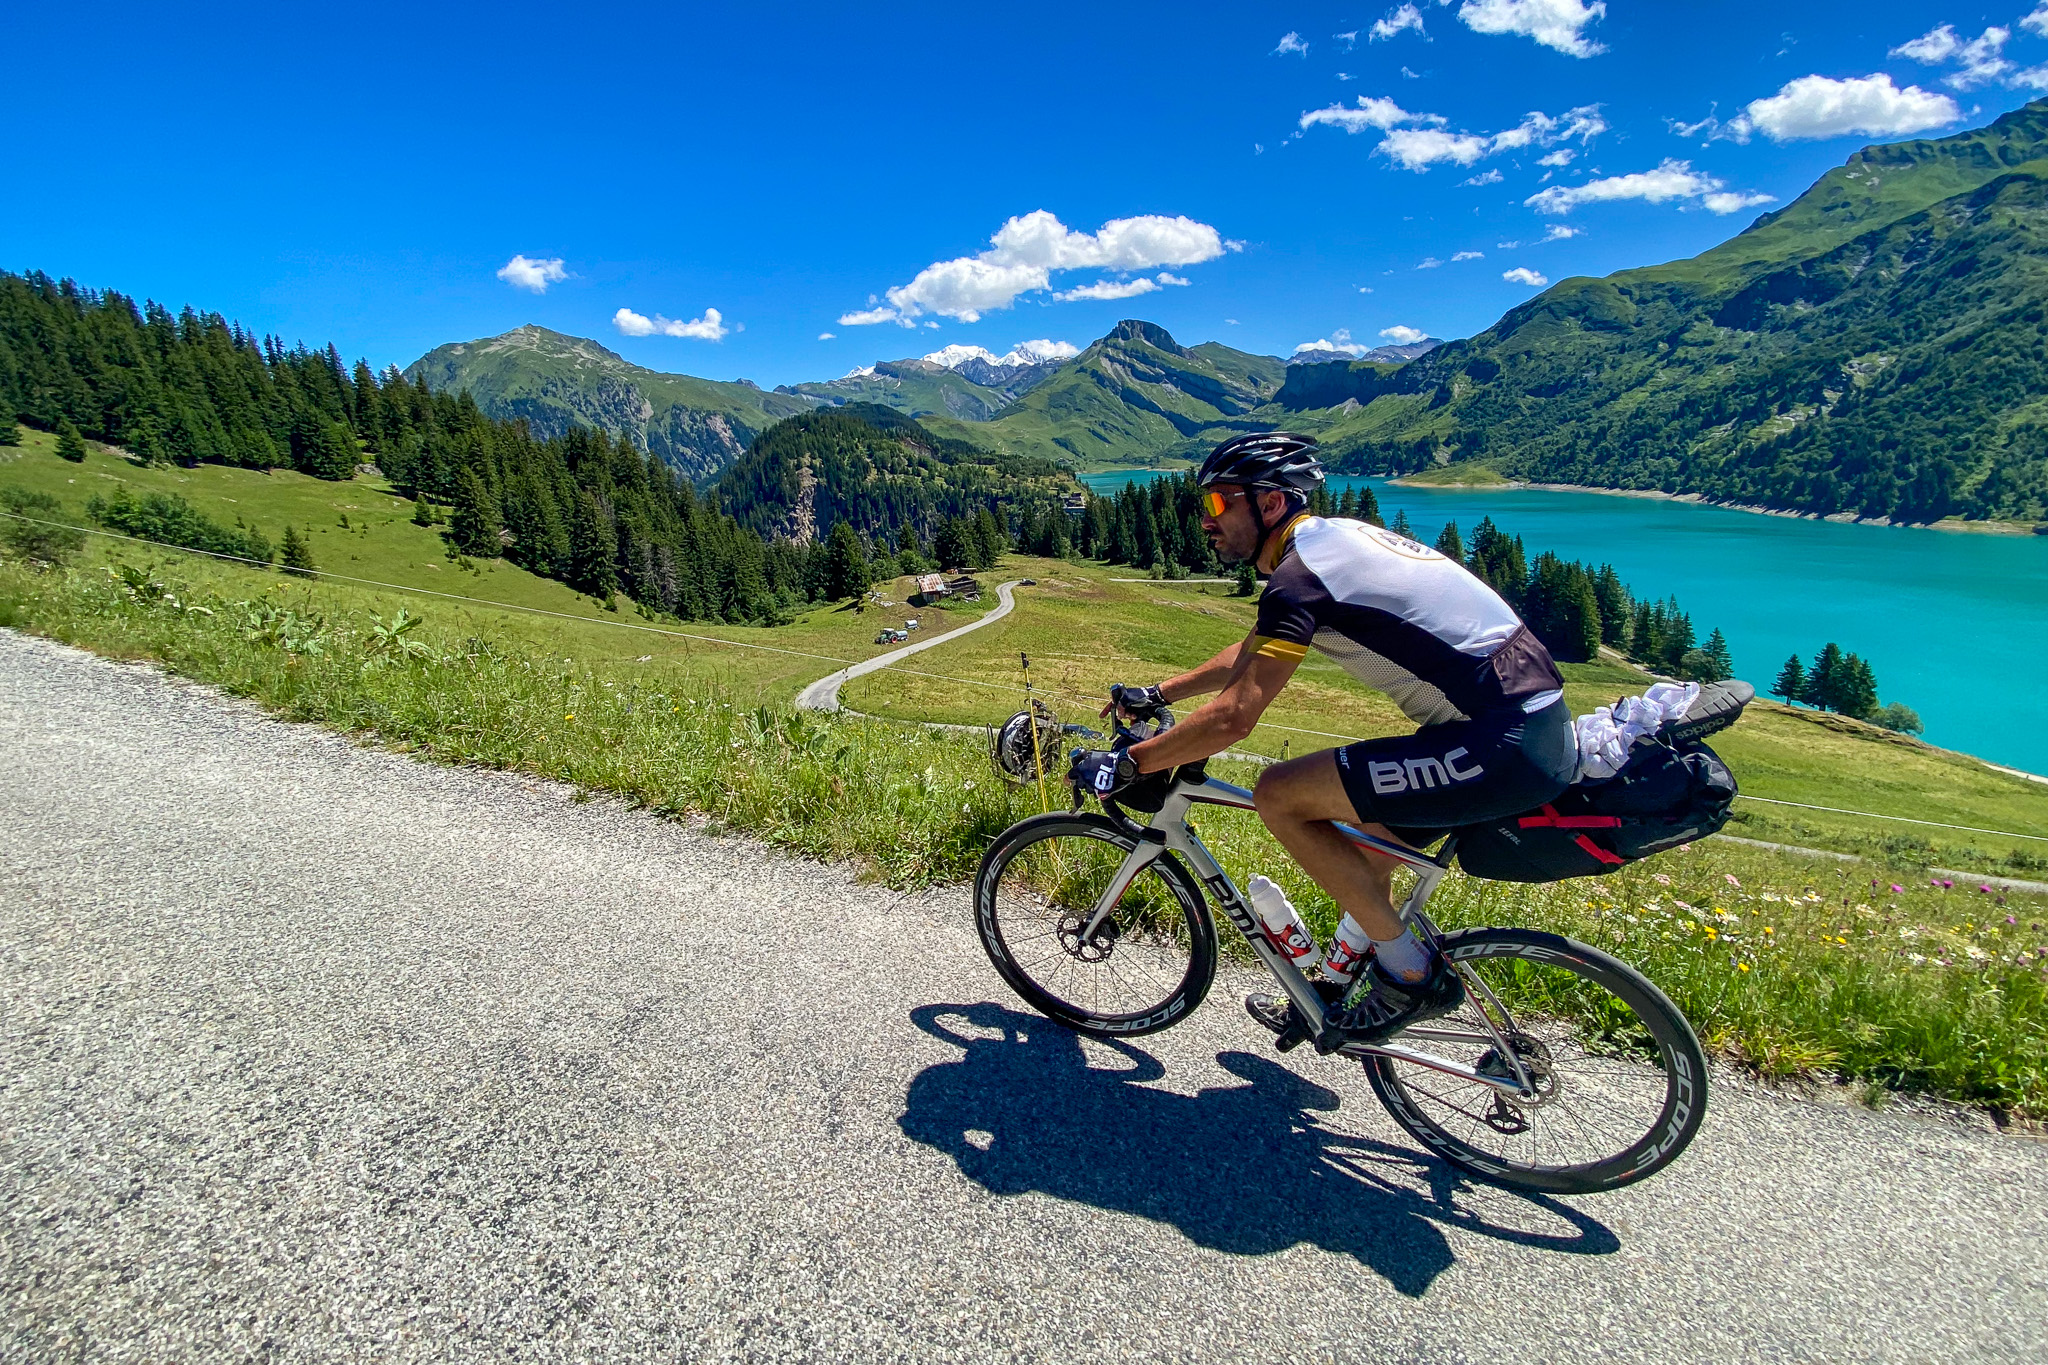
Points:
x=1954 y=624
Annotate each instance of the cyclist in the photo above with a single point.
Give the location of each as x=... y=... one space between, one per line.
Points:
x=1495 y=735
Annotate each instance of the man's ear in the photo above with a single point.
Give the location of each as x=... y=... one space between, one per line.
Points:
x=1273 y=504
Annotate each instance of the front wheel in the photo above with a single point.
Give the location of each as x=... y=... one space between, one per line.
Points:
x=1146 y=965
x=1618 y=1081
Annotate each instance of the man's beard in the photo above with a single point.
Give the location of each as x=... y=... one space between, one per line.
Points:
x=1224 y=554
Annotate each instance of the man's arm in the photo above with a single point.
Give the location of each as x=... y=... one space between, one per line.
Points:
x=1252 y=682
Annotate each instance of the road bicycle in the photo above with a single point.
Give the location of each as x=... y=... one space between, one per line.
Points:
x=1564 y=1071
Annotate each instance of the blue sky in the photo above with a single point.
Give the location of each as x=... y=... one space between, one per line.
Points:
x=368 y=175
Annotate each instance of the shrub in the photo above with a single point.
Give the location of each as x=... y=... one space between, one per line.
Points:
x=169 y=520
x=1896 y=715
x=70 y=445
x=35 y=539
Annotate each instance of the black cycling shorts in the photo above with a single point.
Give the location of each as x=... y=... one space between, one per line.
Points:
x=1441 y=776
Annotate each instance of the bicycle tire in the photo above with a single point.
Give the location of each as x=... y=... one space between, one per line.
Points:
x=1168 y=918
x=1614 y=1058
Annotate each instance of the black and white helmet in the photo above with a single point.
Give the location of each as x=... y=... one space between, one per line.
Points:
x=1264 y=459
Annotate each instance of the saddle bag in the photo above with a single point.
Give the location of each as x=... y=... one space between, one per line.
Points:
x=1672 y=790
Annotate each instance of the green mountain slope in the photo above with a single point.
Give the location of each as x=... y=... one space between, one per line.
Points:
x=699 y=426
x=882 y=471
x=915 y=387
x=1138 y=395
x=1880 y=345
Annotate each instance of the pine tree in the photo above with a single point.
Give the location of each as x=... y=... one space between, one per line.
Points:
x=594 y=553
x=989 y=540
x=1449 y=543
x=1399 y=525
x=1247 y=581
x=1824 y=681
x=954 y=545
x=1791 y=681
x=1347 y=505
x=1723 y=663
x=846 y=569
x=1368 y=506
x=422 y=515
x=1615 y=608
x=473 y=526
x=297 y=556
x=10 y=431
x=70 y=446
x=1858 y=692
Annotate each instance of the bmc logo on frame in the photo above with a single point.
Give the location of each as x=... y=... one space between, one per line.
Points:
x=1420 y=774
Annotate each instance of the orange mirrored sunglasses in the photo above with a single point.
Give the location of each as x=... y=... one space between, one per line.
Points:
x=1213 y=502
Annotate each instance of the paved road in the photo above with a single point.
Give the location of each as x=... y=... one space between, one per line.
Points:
x=823 y=695
x=312 y=1052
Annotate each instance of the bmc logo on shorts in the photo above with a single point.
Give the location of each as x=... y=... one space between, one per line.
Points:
x=1420 y=774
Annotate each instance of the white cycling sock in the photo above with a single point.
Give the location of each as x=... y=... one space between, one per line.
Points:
x=1404 y=958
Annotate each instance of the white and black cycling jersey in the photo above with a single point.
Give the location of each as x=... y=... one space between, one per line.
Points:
x=1405 y=619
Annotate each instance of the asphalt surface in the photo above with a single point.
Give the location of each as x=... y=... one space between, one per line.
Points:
x=313 y=1052
x=823 y=695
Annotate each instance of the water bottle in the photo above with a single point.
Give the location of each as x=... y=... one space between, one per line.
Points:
x=1283 y=923
x=1348 y=952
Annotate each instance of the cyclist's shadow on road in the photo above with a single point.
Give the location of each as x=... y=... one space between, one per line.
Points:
x=1242 y=1168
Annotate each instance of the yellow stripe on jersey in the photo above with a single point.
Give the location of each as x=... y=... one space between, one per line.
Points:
x=1278 y=649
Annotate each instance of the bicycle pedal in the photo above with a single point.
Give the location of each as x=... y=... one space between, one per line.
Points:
x=1291 y=1038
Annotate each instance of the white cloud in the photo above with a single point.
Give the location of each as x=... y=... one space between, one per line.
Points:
x=868 y=317
x=710 y=327
x=1507 y=246
x=2037 y=22
x=1483 y=178
x=1561 y=157
x=1290 y=43
x=533 y=276
x=1165 y=278
x=1522 y=274
x=1558 y=233
x=1556 y=24
x=1820 y=107
x=1417 y=149
x=1727 y=201
x=1429 y=263
x=1979 y=60
x=1402 y=335
x=1671 y=180
x=1398 y=21
x=1418 y=141
x=826 y=336
x=1350 y=40
x=1107 y=289
x=1372 y=112
x=1340 y=340
x=1411 y=75
x=1468 y=256
x=1026 y=251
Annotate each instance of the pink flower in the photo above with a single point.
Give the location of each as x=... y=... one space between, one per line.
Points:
x=1896 y=888
x=1987 y=887
x=1731 y=879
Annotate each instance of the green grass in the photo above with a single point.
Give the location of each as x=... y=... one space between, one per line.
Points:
x=1810 y=969
x=1463 y=474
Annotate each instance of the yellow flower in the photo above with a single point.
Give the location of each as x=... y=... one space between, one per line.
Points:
x=570 y=716
x=1742 y=966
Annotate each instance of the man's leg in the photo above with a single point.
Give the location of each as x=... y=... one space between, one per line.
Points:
x=1298 y=800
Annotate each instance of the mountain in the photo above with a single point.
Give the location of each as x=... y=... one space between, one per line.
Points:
x=1378 y=355
x=554 y=381
x=1134 y=396
x=1878 y=346
x=882 y=471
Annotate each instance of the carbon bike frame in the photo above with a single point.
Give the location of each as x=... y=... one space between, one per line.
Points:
x=1169 y=830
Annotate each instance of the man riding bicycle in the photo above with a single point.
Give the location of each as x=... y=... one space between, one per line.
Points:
x=1495 y=736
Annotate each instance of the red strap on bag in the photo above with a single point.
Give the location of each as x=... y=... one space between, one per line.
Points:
x=1550 y=819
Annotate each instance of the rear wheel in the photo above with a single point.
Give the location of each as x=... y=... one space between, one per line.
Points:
x=1618 y=1081
x=1146 y=966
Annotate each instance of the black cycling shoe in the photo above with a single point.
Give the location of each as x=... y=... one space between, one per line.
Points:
x=1277 y=1012
x=1392 y=1005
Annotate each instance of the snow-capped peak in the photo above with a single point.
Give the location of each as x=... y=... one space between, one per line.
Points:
x=1023 y=353
x=858 y=372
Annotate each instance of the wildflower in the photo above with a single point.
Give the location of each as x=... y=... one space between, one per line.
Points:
x=570 y=716
x=1742 y=966
x=1896 y=888
x=2009 y=919
x=1660 y=879
x=1731 y=879
x=1769 y=930
x=1985 y=887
